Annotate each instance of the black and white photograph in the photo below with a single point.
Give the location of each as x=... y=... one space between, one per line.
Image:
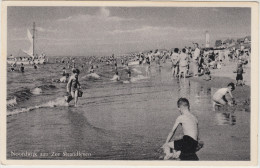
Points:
x=152 y=82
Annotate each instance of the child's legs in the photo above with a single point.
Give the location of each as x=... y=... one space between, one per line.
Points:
x=219 y=101
x=176 y=69
x=72 y=94
x=184 y=72
x=76 y=96
x=168 y=147
x=173 y=70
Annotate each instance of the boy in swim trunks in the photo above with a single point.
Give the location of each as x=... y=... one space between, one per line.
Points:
x=186 y=147
x=239 y=75
x=73 y=85
x=219 y=97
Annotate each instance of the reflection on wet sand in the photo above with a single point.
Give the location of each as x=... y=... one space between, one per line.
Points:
x=227 y=118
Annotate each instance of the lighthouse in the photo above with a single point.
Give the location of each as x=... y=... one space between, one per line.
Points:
x=207 y=39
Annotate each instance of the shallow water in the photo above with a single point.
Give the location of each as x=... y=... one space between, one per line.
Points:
x=116 y=120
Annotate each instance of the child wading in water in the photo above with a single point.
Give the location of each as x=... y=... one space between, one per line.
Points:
x=73 y=86
x=186 y=147
x=219 y=97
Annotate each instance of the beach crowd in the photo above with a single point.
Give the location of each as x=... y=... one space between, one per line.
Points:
x=185 y=62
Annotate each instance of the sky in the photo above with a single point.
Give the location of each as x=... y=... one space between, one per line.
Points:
x=86 y=31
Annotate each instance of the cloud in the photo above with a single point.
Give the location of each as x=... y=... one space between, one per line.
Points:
x=153 y=29
x=103 y=15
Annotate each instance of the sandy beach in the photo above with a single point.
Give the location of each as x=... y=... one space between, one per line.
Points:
x=130 y=120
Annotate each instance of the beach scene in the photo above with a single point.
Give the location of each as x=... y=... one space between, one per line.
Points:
x=128 y=83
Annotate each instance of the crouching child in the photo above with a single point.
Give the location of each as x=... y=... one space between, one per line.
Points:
x=185 y=148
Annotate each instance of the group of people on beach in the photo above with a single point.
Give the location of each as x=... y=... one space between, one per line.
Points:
x=185 y=62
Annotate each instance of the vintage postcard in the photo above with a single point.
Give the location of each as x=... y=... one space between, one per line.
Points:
x=150 y=83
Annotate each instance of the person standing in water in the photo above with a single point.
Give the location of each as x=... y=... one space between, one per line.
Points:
x=195 y=57
x=185 y=148
x=239 y=72
x=22 y=68
x=183 y=63
x=175 y=62
x=148 y=67
x=128 y=70
x=73 y=85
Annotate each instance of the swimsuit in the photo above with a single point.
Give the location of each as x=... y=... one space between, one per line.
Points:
x=187 y=145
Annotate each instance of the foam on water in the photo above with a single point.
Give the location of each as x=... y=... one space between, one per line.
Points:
x=92 y=75
x=37 y=91
x=138 y=77
x=11 y=102
x=114 y=78
x=137 y=71
x=60 y=101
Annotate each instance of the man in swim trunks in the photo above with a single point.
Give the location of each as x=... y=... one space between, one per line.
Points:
x=195 y=57
x=175 y=62
x=73 y=85
x=219 y=97
x=183 y=63
x=186 y=147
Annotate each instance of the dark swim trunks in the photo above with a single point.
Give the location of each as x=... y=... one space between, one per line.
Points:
x=187 y=146
x=239 y=77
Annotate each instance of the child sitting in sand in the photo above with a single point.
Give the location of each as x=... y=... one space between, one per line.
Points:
x=186 y=147
x=219 y=97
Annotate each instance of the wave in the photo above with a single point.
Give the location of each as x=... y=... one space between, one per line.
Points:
x=115 y=78
x=26 y=93
x=47 y=87
x=137 y=71
x=11 y=102
x=53 y=103
x=21 y=95
x=37 y=91
x=92 y=75
x=138 y=77
x=126 y=82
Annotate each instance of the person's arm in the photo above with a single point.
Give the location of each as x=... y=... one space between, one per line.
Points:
x=177 y=122
x=230 y=94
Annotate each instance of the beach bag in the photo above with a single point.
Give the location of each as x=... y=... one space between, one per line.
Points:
x=80 y=93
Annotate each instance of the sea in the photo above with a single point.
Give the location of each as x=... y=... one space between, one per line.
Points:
x=114 y=120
